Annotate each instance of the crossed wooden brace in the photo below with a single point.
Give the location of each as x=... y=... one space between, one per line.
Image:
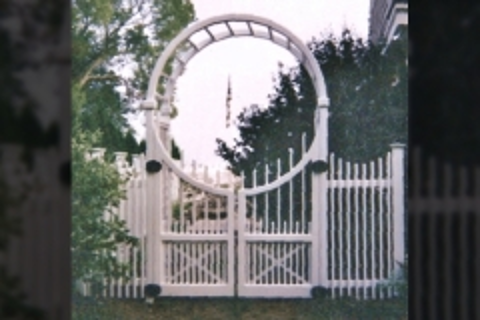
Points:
x=189 y=258
x=280 y=261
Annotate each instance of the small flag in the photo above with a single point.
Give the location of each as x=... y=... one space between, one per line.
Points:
x=229 y=98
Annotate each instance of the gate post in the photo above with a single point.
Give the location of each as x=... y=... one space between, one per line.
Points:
x=165 y=189
x=398 y=199
x=319 y=197
x=152 y=200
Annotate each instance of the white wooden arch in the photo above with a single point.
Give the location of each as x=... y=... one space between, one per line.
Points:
x=251 y=26
x=157 y=122
x=257 y=27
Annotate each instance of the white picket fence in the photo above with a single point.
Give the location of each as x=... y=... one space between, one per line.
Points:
x=444 y=206
x=366 y=225
x=133 y=212
x=365 y=228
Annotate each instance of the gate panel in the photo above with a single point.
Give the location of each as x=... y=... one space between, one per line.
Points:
x=197 y=240
x=275 y=237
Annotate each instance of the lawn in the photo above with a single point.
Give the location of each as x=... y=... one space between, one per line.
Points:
x=235 y=308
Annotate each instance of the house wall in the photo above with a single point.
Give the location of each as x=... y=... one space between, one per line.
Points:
x=385 y=17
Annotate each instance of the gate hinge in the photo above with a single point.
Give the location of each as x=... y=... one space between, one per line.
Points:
x=319 y=166
x=153 y=166
x=319 y=292
x=152 y=290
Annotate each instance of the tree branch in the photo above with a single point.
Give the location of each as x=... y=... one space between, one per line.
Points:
x=86 y=75
x=102 y=55
x=104 y=77
x=130 y=91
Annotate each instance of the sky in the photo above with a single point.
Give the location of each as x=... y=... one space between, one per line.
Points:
x=251 y=65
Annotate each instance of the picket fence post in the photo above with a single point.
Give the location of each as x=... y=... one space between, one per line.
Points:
x=323 y=152
x=319 y=200
x=152 y=203
x=165 y=196
x=398 y=201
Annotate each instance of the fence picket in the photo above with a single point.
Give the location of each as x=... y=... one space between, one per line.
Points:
x=348 y=215
x=464 y=279
x=290 y=193
x=381 y=209
x=372 y=223
x=389 y=221
x=340 y=227
x=130 y=207
x=267 y=213
x=304 y=207
x=143 y=214
x=448 y=250
x=279 y=195
x=226 y=258
x=332 y=225
x=357 y=241
x=254 y=209
x=364 y=225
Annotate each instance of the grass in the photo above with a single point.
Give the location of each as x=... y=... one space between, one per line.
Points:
x=236 y=308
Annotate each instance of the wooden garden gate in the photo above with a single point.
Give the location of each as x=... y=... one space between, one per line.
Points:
x=252 y=242
x=188 y=262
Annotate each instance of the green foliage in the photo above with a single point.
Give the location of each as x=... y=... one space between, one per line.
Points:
x=399 y=284
x=95 y=189
x=103 y=108
x=111 y=34
x=109 y=37
x=175 y=151
x=368 y=98
x=176 y=208
x=400 y=281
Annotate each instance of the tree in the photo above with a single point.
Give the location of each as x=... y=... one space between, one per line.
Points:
x=96 y=189
x=111 y=34
x=109 y=37
x=368 y=98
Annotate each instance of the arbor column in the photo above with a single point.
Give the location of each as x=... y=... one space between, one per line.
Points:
x=319 y=197
x=152 y=200
x=398 y=199
x=163 y=193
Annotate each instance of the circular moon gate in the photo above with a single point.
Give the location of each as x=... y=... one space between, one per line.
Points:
x=185 y=46
x=175 y=57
